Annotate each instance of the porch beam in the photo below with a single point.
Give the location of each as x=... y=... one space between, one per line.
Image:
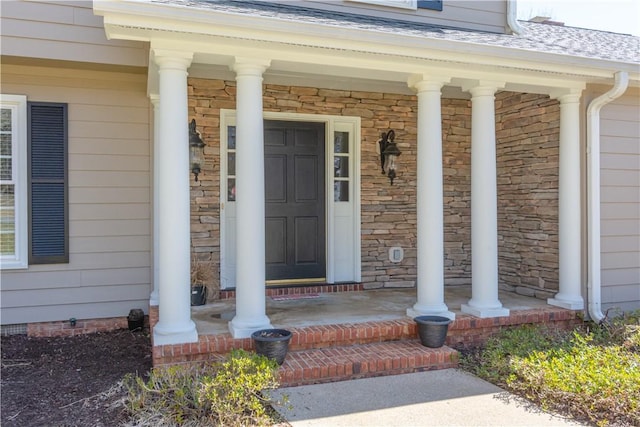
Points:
x=430 y=238
x=174 y=325
x=250 y=200
x=569 y=205
x=484 y=300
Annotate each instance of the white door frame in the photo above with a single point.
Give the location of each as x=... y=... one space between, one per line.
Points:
x=343 y=244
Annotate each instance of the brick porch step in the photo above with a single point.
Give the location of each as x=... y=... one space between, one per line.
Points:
x=312 y=366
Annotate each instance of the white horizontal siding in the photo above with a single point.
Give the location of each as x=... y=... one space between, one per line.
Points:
x=109 y=199
x=63 y=31
x=620 y=203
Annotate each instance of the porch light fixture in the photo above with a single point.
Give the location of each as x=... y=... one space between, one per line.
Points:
x=388 y=154
x=196 y=150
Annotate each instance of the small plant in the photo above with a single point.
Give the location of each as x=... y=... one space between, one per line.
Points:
x=201 y=271
x=229 y=393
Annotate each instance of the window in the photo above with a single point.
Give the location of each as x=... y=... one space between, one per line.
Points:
x=47 y=151
x=341 y=166
x=13 y=182
x=407 y=4
x=33 y=183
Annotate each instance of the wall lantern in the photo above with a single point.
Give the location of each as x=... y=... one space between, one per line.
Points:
x=388 y=154
x=196 y=150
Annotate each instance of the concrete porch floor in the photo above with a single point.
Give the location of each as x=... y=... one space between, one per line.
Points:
x=343 y=307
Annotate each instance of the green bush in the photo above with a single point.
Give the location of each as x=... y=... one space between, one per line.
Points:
x=493 y=361
x=592 y=374
x=598 y=383
x=229 y=393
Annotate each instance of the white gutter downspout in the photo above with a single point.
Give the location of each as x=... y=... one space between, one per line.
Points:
x=512 y=17
x=593 y=193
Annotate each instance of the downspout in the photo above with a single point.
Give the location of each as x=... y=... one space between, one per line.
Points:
x=593 y=193
x=512 y=18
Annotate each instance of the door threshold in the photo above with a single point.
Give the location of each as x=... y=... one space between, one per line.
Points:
x=294 y=282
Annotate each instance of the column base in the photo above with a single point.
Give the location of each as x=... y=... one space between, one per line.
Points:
x=565 y=303
x=244 y=329
x=484 y=312
x=413 y=312
x=174 y=335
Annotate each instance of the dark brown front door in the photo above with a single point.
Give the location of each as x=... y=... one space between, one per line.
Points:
x=295 y=200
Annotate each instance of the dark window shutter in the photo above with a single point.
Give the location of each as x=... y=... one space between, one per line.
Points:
x=48 y=214
x=430 y=4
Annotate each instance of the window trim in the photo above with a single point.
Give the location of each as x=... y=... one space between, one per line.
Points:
x=400 y=4
x=406 y=4
x=18 y=103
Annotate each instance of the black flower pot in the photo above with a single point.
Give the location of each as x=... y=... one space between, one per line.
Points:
x=198 y=295
x=273 y=343
x=432 y=330
x=135 y=319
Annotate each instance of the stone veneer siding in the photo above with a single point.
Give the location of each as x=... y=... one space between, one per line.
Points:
x=528 y=232
x=528 y=132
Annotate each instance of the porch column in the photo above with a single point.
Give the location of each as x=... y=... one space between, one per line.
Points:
x=484 y=300
x=430 y=243
x=569 y=205
x=174 y=325
x=155 y=101
x=250 y=229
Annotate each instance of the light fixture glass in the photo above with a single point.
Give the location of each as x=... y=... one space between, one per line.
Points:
x=389 y=153
x=196 y=150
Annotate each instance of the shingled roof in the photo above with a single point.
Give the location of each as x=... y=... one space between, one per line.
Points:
x=537 y=37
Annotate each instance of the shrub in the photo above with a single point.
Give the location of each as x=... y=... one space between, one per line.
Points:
x=228 y=393
x=493 y=361
x=234 y=395
x=593 y=374
x=598 y=383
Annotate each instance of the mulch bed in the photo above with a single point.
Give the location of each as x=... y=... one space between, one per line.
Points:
x=69 y=381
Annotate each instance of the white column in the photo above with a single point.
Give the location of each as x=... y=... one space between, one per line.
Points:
x=484 y=300
x=155 y=101
x=175 y=325
x=569 y=206
x=250 y=229
x=430 y=244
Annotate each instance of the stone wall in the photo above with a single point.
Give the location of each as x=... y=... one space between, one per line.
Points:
x=388 y=212
x=527 y=130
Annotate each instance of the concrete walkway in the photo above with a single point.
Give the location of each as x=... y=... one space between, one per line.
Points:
x=447 y=397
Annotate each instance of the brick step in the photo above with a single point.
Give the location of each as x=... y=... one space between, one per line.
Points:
x=312 y=366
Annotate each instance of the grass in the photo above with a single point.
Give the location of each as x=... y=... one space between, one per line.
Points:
x=591 y=373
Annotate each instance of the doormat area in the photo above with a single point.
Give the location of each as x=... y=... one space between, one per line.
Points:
x=294 y=297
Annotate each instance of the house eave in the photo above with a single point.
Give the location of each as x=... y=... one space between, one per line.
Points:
x=145 y=21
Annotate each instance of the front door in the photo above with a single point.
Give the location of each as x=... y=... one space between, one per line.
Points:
x=295 y=200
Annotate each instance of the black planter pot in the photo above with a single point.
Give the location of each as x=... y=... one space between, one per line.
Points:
x=273 y=343
x=432 y=330
x=135 y=319
x=198 y=295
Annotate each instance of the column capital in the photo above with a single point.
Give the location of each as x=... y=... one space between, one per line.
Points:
x=427 y=82
x=482 y=87
x=566 y=96
x=249 y=66
x=169 y=58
